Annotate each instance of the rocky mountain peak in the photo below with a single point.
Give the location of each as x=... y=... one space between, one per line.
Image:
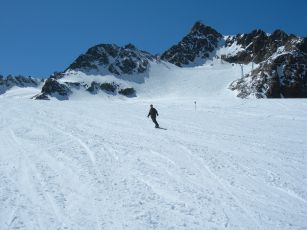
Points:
x=130 y=46
x=112 y=59
x=194 y=47
x=279 y=35
x=202 y=29
x=257 y=45
x=254 y=36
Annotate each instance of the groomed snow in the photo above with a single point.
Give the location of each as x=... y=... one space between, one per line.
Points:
x=97 y=162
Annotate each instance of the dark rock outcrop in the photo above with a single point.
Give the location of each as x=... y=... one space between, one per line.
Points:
x=94 y=88
x=198 y=44
x=128 y=92
x=53 y=87
x=41 y=96
x=107 y=87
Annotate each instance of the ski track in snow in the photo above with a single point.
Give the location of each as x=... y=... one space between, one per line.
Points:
x=96 y=165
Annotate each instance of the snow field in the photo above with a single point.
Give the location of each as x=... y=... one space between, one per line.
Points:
x=98 y=163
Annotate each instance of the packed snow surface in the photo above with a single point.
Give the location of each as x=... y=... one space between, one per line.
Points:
x=97 y=162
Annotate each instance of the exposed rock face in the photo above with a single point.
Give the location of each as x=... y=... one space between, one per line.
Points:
x=10 y=81
x=109 y=88
x=54 y=88
x=194 y=47
x=58 y=89
x=282 y=74
x=112 y=59
x=40 y=96
x=128 y=92
x=257 y=45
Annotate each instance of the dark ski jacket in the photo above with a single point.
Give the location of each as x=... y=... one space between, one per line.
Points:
x=153 y=112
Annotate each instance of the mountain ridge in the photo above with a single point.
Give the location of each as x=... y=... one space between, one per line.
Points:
x=6 y=83
x=280 y=61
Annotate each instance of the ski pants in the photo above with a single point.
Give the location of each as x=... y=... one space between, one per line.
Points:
x=153 y=118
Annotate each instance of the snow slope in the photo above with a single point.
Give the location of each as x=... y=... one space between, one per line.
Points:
x=17 y=92
x=167 y=80
x=96 y=162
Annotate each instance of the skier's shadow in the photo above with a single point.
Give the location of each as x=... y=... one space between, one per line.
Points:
x=161 y=128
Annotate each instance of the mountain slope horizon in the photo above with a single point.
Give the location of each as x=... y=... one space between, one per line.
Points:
x=279 y=59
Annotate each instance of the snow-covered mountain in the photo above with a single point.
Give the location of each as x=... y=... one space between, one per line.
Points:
x=281 y=59
x=127 y=63
x=271 y=65
x=282 y=64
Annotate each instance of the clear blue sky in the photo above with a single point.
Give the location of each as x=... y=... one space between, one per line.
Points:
x=39 y=37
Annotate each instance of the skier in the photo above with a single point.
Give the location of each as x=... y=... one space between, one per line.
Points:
x=153 y=113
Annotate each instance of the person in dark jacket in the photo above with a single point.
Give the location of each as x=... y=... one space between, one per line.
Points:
x=153 y=113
